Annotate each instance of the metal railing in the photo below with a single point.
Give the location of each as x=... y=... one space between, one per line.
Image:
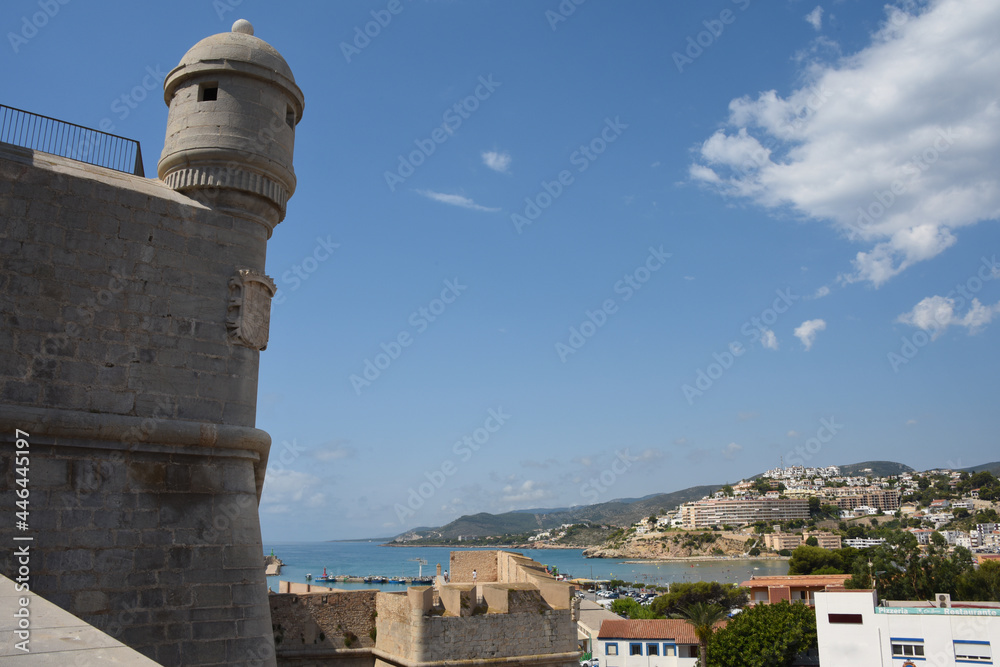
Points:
x=49 y=135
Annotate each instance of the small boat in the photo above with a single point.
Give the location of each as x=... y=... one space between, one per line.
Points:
x=309 y=577
x=325 y=576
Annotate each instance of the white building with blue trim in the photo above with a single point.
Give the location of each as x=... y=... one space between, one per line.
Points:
x=667 y=642
x=854 y=630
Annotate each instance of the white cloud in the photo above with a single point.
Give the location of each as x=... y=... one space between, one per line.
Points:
x=911 y=422
x=806 y=332
x=937 y=313
x=456 y=200
x=896 y=146
x=815 y=18
x=731 y=450
x=793 y=434
x=768 y=339
x=497 y=161
x=821 y=292
x=680 y=441
x=648 y=455
x=528 y=491
x=282 y=488
x=334 y=451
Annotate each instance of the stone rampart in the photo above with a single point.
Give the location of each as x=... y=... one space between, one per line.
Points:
x=145 y=466
x=462 y=563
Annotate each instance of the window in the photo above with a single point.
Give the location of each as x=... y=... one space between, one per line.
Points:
x=845 y=618
x=208 y=92
x=973 y=651
x=611 y=649
x=907 y=647
x=290 y=117
x=652 y=649
x=669 y=649
x=635 y=649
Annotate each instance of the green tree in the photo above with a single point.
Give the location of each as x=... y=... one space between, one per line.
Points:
x=727 y=490
x=812 y=541
x=683 y=594
x=981 y=584
x=629 y=608
x=811 y=559
x=765 y=635
x=703 y=616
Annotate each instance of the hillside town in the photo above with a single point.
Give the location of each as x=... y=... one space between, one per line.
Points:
x=791 y=506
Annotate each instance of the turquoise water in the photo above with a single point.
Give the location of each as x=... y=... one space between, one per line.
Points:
x=369 y=558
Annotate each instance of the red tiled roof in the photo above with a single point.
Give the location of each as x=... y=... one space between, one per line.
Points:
x=676 y=629
x=797 y=580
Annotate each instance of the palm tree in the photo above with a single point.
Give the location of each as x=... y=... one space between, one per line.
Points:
x=703 y=616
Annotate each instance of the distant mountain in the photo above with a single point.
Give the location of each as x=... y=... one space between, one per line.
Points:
x=878 y=469
x=618 y=512
x=994 y=468
x=623 y=512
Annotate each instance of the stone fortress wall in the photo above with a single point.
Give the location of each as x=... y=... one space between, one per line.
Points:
x=134 y=314
x=507 y=620
x=145 y=468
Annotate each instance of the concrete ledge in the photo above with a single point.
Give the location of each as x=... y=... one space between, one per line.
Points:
x=137 y=433
x=58 y=638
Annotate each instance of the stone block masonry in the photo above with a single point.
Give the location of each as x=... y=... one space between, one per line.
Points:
x=146 y=469
x=134 y=312
x=411 y=629
x=462 y=563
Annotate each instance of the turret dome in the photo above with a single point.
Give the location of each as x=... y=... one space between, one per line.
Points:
x=233 y=107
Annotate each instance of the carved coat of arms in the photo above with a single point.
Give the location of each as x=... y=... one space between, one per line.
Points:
x=249 y=316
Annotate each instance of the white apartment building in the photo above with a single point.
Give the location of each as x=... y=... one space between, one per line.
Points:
x=854 y=631
x=864 y=542
x=740 y=511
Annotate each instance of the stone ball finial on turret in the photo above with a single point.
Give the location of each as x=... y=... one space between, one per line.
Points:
x=233 y=107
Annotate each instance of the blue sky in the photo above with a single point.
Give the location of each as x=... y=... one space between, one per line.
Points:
x=762 y=230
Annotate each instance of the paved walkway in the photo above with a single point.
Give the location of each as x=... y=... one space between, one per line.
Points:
x=58 y=638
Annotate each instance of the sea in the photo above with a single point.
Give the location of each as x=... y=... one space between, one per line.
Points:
x=364 y=558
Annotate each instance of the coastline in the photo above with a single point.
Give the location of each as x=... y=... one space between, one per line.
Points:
x=630 y=560
x=707 y=559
